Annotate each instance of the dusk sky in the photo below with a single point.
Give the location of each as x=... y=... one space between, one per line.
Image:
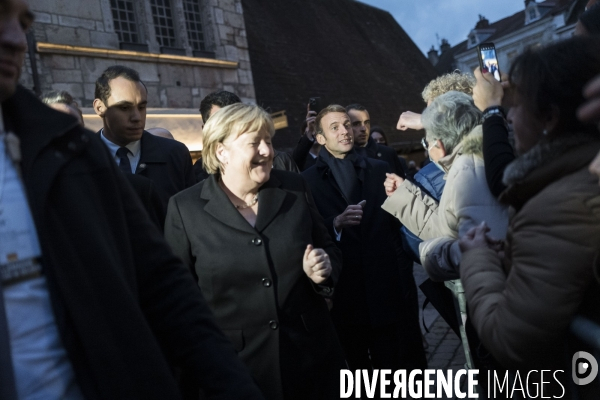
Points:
x=450 y=19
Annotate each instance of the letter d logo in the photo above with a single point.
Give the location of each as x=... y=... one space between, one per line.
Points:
x=582 y=364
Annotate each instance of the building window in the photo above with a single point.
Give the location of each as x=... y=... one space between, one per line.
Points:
x=532 y=14
x=124 y=20
x=193 y=19
x=163 y=22
x=473 y=39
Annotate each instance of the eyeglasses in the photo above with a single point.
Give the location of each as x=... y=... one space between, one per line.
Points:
x=426 y=145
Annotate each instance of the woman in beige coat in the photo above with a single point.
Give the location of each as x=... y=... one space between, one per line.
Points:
x=454 y=141
x=523 y=299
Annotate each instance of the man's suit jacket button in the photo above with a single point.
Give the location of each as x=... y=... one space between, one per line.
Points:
x=85 y=139
x=267 y=282
x=379 y=155
x=273 y=324
x=58 y=154
x=257 y=241
x=72 y=146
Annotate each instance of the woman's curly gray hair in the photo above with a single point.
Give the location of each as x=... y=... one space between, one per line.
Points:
x=449 y=118
x=453 y=81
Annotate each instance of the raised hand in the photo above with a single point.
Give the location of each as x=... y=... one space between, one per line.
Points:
x=316 y=264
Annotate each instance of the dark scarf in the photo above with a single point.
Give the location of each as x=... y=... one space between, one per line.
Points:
x=347 y=173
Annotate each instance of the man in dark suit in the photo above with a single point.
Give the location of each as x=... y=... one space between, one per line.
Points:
x=365 y=144
x=375 y=309
x=93 y=304
x=121 y=100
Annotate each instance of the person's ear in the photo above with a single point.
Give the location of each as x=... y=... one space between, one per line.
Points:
x=99 y=107
x=440 y=145
x=222 y=154
x=320 y=139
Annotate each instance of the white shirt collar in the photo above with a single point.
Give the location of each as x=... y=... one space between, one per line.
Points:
x=134 y=147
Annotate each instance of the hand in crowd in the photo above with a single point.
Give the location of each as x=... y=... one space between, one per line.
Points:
x=310 y=130
x=477 y=237
x=590 y=110
x=595 y=165
x=488 y=92
x=409 y=120
x=316 y=264
x=351 y=216
x=392 y=182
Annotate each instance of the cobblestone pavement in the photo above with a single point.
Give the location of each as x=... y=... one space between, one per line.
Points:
x=444 y=348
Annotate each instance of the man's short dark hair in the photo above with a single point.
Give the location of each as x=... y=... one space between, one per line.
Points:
x=102 y=91
x=332 y=108
x=355 y=106
x=222 y=98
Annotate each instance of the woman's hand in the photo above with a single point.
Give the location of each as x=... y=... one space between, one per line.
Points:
x=595 y=166
x=488 y=92
x=316 y=264
x=474 y=238
x=392 y=182
x=590 y=110
x=409 y=120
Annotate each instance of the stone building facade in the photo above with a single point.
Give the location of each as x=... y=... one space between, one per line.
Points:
x=537 y=24
x=183 y=49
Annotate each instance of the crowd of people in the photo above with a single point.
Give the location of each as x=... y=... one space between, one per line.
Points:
x=128 y=272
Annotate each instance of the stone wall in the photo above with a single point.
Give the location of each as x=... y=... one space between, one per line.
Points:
x=89 y=24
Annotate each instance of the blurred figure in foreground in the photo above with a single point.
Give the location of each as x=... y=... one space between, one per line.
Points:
x=93 y=304
x=524 y=295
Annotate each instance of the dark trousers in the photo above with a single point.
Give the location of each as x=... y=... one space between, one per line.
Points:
x=395 y=346
x=391 y=347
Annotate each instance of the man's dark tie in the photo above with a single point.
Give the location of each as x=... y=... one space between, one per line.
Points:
x=124 y=163
x=7 y=381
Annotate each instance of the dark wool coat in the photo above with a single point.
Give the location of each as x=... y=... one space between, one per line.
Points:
x=377 y=276
x=253 y=280
x=122 y=301
x=167 y=163
x=383 y=153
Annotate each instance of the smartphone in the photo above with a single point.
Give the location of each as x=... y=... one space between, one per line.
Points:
x=488 y=59
x=314 y=104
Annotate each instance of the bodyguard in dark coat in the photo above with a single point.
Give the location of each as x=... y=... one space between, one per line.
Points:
x=248 y=259
x=366 y=145
x=121 y=100
x=121 y=300
x=375 y=308
x=167 y=163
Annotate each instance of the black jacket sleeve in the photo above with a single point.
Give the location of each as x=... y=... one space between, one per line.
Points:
x=497 y=152
x=301 y=151
x=322 y=239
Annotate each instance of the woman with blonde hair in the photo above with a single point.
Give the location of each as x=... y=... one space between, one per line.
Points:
x=262 y=257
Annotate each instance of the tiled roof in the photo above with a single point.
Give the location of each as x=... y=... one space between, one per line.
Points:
x=343 y=51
